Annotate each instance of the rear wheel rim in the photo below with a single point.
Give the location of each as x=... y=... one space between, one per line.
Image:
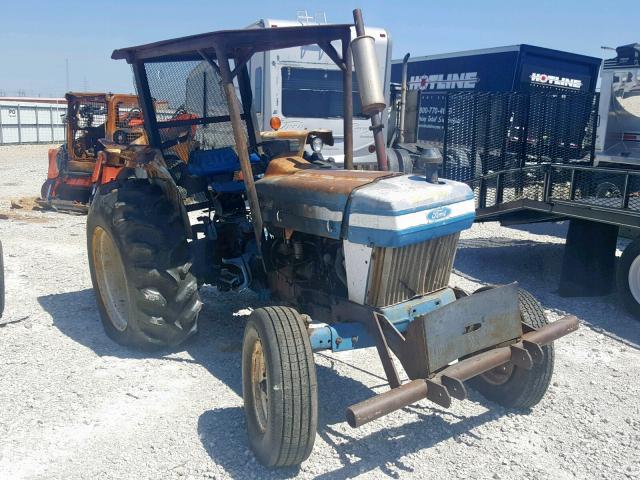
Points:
x=111 y=279
x=634 y=279
x=259 y=390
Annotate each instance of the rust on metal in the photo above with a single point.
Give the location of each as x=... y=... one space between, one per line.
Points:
x=383 y=350
x=240 y=143
x=347 y=125
x=534 y=350
x=387 y=402
x=521 y=357
x=295 y=172
x=438 y=393
x=450 y=379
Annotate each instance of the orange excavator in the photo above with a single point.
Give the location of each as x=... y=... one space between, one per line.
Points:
x=77 y=166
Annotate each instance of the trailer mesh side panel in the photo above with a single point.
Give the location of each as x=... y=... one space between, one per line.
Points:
x=596 y=188
x=490 y=132
x=398 y=274
x=191 y=92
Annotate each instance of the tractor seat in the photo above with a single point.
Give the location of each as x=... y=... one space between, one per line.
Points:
x=80 y=166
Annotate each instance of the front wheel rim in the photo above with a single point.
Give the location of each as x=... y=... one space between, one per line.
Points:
x=111 y=278
x=499 y=375
x=259 y=386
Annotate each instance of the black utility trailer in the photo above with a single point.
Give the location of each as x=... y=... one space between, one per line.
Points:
x=525 y=145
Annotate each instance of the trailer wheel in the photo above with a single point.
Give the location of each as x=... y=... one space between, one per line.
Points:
x=279 y=387
x=513 y=386
x=140 y=266
x=628 y=278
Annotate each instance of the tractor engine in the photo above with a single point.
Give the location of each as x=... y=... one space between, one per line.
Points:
x=374 y=238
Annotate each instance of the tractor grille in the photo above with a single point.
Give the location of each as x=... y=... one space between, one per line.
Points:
x=398 y=274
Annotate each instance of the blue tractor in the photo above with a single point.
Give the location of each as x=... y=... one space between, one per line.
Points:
x=349 y=258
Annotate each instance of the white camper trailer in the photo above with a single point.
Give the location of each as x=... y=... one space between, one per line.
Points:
x=303 y=88
x=618 y=137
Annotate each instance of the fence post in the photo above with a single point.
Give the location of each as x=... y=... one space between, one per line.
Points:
x=1 y=132
x=53 y=139
x=19 y=125
x=35 y=108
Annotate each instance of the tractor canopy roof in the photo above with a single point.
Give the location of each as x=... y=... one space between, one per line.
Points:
x=234 y=43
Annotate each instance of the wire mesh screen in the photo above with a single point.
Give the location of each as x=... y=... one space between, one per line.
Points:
x=509 y=186
x=612 y=189
x=88 y=124
x=490 y=132
x=191 y=93
x=128 y=122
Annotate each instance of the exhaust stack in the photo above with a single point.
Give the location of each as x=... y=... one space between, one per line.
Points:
x=370 y=85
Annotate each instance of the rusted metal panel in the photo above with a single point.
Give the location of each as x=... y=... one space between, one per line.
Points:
x=229 y=42
x=297 y=195
x=451 y=378
x=469 y=325
x=398 y=274
x=295 y=172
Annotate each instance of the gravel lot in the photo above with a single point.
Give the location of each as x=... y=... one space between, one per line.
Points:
x=75 y=405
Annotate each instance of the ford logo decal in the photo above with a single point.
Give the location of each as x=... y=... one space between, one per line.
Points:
x=438 y=214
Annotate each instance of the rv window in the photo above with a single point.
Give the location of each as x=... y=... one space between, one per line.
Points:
x=315 y=93
x=257 y=84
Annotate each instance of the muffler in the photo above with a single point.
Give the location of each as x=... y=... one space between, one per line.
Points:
x=370 y=85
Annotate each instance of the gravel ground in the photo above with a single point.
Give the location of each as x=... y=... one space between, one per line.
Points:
x=75 y=405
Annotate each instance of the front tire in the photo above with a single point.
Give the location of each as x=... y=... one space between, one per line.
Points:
x=279 y=387
x=140 y=266
x=516 y=387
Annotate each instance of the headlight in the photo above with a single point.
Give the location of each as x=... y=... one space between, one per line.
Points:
x=317 y=144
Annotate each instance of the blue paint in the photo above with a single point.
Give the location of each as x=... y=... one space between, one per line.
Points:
x=214 y=162
x=340 y=337
x=409 y=236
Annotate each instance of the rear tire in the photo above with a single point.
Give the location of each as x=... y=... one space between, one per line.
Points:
x=628 y=278
x=279 y=387
x=140 y=266
x=516 y=387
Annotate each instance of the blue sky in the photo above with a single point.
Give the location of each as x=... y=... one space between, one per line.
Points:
x=37 y=36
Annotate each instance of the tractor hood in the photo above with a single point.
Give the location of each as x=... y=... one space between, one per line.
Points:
x=368 y=207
